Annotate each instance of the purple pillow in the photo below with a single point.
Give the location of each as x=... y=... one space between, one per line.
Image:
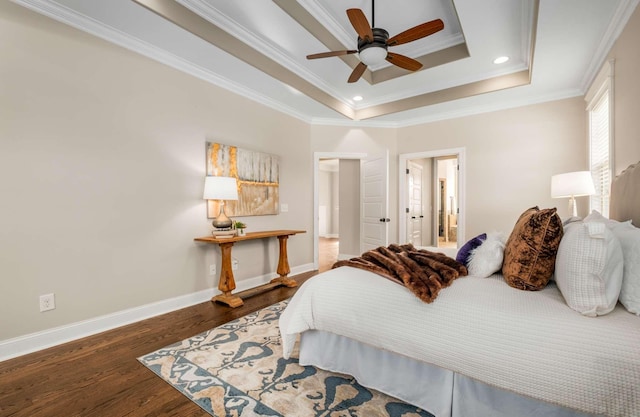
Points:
x=465 y=250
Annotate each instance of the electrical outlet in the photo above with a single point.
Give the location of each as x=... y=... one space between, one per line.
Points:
x=47 y=302
x=212 y=269
x=284 y=208
x=234 y=265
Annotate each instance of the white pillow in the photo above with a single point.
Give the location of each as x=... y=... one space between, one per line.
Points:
x=630 y=292
x=589 y=268
x=629 y=237
x=486 y=259
x=595 y=216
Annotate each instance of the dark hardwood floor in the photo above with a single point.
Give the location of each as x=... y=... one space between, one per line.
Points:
x=100 y=376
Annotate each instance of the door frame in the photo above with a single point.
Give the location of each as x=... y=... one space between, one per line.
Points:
x=317 y=156
x=402 y=188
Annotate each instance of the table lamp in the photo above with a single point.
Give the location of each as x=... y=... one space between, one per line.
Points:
x=572 y=184
x=220 y=188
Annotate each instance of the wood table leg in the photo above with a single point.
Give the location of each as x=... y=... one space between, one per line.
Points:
x=227 y=283
x=283 y=265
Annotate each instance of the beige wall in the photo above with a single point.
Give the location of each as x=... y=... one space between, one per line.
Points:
x=349 y=211
x=510 y=157
x=626 y=53
x=102 y=163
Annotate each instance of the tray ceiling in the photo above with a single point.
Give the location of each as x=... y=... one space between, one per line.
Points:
x=258 y=49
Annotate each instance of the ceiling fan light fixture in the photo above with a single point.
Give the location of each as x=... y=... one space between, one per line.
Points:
x=373 y=55
x=373 y=44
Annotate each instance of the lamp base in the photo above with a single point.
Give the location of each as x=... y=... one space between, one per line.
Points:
x=221 y=224
x=222 y=221
x=573 y=207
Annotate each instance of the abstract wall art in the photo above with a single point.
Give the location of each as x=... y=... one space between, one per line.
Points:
x=257 y=175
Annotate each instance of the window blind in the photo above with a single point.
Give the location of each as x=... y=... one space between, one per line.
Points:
x=599 y=100
x=599 y=155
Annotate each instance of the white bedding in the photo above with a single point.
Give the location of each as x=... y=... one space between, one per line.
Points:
x=530 y=343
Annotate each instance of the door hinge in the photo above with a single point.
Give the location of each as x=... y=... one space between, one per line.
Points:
x=407 y=209
x=407 y=171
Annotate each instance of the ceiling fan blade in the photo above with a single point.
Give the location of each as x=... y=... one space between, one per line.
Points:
x=403 y=61
x=331 y=53
x=357 y=72
x=360 y=24
x=416 y=32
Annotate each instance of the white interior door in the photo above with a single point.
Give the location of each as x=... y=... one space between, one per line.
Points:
x=415 y=207
x=374 y=226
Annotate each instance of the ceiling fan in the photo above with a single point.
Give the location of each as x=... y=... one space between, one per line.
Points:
x=373 y=43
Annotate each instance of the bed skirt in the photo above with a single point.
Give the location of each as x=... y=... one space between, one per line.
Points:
x=441 y=392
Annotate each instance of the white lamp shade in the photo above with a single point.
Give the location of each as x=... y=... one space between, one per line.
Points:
x=373 y=55
x=574 y=184
x=220 y=188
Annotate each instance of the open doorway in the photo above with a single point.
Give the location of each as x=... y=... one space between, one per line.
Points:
x=328 y=213
x=446 y=220
x=432 y=188
x=362 y=202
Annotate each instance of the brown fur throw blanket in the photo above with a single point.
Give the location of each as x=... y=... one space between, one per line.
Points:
x=424 y=272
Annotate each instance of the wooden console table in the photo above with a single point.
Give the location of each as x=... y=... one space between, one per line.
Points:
x=227 y=283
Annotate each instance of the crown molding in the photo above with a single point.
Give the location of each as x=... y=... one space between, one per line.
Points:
x=462 y=111
x=69 y=17
x=616 y=25
x=108 y=33
x=220 y=19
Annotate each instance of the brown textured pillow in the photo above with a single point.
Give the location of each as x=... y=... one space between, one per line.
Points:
x=530 y=252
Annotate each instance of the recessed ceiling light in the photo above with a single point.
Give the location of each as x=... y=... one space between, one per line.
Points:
x=357 y=98
x=501 y=60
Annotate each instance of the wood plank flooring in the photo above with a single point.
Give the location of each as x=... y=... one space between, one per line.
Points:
x=100 y=376
x=328 y=249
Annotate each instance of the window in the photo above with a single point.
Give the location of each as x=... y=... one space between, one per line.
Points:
x=600 y=108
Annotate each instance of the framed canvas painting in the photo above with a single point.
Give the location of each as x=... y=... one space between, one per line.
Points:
x=257 y=175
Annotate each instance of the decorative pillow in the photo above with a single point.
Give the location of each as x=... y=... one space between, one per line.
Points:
x=589 y=268
x=465 y=250
x=486 y=259
x=595 y=216
x=629 y=237
x=530 y=251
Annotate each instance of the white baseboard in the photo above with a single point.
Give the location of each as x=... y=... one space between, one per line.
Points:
x=18 y=346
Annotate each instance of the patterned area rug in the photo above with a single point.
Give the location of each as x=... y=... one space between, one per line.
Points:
x=237 y=369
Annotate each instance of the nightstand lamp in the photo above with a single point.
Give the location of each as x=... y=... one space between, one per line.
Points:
x=572 y=184
x=220 y=188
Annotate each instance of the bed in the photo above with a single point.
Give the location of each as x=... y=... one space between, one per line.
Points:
x=482 y=347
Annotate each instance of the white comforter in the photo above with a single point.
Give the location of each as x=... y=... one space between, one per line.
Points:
x=531 y=343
